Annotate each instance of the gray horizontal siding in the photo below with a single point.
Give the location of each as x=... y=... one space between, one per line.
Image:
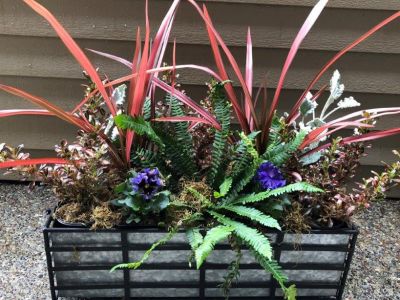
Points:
x=32 y=58
x=347 y=4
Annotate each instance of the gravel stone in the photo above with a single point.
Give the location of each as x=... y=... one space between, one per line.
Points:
x=374 y=274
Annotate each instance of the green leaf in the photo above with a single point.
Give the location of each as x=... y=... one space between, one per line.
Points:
x=272 y=267
x=308 y=106
x=212 y=237
x=194 y=238
x=254 y=215
x=294 y=187
x=182 y=139
x=133 y=218
x=291 y=292
x=119 y=94
x=147 y=109
x=248 y=167
x=245 y=178
x=127 y=202
x=248 y=142
x=160 y=201
x=242 y=159
x=310 y=159
x=280 y=153
x=224 y=188
x=146 y=255
x=139 y=125
x=176 y=152
x=222 y=111
x=251 y=236
x=120 y=188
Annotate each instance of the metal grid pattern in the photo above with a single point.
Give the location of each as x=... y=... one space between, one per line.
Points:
x=126 y=285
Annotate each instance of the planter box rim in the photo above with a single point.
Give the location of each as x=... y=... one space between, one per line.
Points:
x=52 y=224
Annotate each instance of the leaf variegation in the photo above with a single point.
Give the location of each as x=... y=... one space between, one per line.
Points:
x=254 y=215
x=212 y=237
x=255 y=239
x=294 y=187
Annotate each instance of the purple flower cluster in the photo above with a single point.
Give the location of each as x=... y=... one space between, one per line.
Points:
x=147 y=183
x=269 y=176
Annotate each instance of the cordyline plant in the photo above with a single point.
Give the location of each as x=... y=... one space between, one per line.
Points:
x=138 y=158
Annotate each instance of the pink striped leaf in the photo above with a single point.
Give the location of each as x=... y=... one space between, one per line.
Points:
x=33 y=161
x=294 y=113
x=304 y=30
x=75 y=50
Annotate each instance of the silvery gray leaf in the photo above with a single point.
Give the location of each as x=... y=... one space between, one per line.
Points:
x=310 y=159
x=308 y=105
x=336 y=87
x=119 y=94
x=348 y=102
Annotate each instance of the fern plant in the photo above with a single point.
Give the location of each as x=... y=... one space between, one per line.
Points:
x=222 y=110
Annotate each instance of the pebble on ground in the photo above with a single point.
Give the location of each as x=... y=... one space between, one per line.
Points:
x=374 y=274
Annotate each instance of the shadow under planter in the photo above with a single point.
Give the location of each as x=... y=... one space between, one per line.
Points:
x=79 y=260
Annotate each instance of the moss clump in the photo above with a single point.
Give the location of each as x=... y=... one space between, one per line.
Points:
x=103 y=216
x=294 y=219
x=98 y=216
x=188 y=206
x=73 y=212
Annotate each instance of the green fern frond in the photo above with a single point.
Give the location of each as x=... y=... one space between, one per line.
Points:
x=139 y=125
x=146 y=158
x=290 y=292
x=294 y=187
x=146 y=255
x=181 y=163
x=232 y=275
x=254 y=215
x=181 y=128
x=282 y=152
x=147 y=109
x=242 y=181
x=212 y=237
x=241 y=161
x=180 y=146
x=194 y=238
x=242 y=158
x=251 y=236
x=252 y=162
x=224 y=188
x=222 y=111
x=248 y=142
x=272 y=267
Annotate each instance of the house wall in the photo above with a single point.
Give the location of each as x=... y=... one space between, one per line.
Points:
x=33 y=58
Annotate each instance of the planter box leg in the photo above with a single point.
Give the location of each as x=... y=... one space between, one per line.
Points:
x=49 y=264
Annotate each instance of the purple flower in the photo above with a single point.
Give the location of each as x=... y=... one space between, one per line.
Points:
x=147 y=183
x=269 y=176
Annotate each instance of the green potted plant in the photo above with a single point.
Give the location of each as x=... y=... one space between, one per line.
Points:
x=154 y=183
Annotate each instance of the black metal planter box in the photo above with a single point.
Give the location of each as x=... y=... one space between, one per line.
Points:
x=79 y=261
